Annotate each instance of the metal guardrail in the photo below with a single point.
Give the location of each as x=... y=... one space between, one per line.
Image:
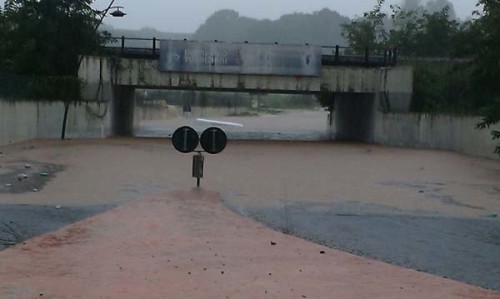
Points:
x=145 y=48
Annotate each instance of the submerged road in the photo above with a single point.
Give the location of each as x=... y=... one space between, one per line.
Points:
x=435 y=212
x=187 y=245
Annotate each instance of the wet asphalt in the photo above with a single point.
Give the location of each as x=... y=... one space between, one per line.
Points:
x=463 y=249
x=21 y=222
x=466 y=250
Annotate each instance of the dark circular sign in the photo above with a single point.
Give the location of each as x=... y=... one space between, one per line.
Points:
x=213 y=140
x=185 y=139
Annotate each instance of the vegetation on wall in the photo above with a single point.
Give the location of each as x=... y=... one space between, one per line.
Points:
x=457 y=65
x=51 y=88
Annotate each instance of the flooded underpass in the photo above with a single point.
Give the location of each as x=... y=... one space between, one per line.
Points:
x=242 y=116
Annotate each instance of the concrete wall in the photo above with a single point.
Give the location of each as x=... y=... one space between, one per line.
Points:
x=25 y=120
x=142 y=73
x=443 y=132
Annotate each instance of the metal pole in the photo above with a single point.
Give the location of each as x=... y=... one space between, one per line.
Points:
x=123 y=45
x=154 y=47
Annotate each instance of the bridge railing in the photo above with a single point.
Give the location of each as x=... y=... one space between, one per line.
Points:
x=149 y=48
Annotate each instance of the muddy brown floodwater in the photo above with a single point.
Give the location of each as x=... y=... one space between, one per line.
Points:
x=433 y=211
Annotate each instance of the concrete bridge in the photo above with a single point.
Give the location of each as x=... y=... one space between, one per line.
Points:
x=356 y=86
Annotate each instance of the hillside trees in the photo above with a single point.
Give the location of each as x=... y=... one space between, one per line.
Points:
x=319 y=28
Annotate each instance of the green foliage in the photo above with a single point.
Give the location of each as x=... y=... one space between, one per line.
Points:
x=412 y=32
x=444 y=87
x=45 y=37
x=487 y=31
x=487 y=60
x=39 y=87
x=432 y=35
x=441 y=86
x=40 y=42
x=492 y=116
x=368 y=32
x=54 y=88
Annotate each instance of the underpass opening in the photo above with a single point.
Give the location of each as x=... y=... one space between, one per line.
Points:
x=355 y=116
x=122 y=110
x=244 y=116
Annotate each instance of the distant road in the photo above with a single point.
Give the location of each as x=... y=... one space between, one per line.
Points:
x=290 y=125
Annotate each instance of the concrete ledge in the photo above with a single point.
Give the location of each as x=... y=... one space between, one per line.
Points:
x=143 y=73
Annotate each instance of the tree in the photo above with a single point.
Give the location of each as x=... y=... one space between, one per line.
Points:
x=369 y=31
x=45 y=37
x=436 y=34
x=413 y=30
x=422 y=33
x=492 y=117
x=3 y=29
x=487 y=60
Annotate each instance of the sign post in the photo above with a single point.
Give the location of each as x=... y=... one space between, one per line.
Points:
x=198 y=161
x=186 y=140
x=213 y=140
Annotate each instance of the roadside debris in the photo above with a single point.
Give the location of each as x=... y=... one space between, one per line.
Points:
x=22 y=176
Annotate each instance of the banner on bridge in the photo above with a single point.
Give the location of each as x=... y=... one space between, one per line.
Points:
x=248 y=59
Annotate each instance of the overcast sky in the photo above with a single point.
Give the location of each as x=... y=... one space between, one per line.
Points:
x=187 y=15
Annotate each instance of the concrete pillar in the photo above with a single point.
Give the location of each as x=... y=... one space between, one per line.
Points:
x=355 y=116
x=122 y=117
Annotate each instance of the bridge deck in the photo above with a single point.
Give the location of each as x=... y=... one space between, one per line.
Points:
x=138 y=48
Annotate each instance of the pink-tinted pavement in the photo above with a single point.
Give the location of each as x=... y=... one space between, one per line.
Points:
x=186 y=244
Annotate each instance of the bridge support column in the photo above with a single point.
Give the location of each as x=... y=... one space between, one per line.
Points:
x=122 y=116
x=355 y=116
